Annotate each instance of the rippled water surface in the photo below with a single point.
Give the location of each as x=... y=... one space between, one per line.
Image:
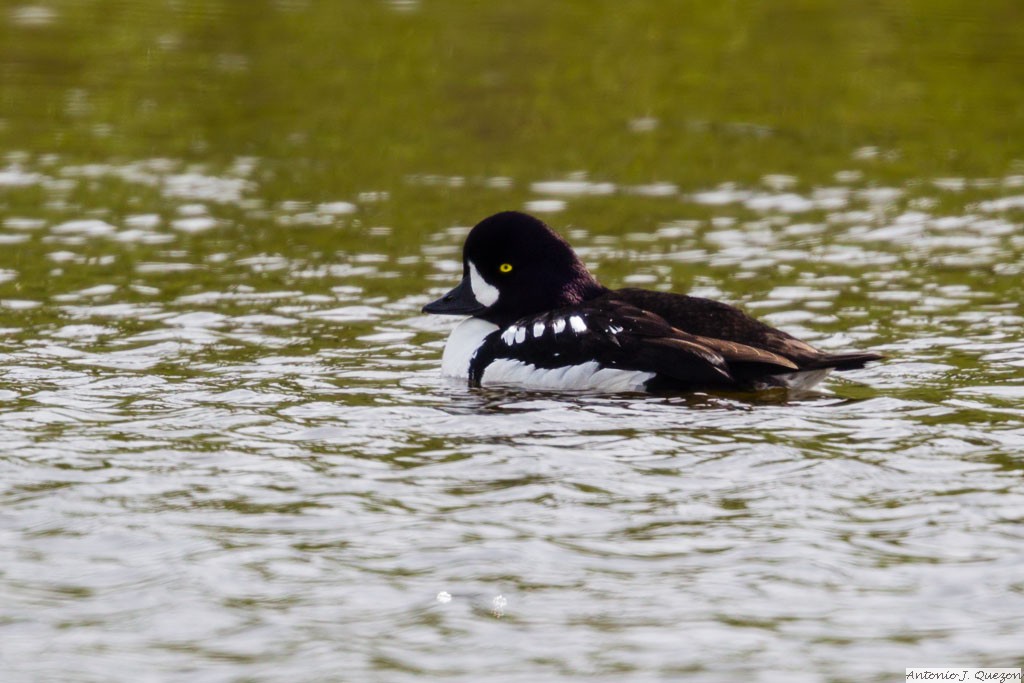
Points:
x=229 y=455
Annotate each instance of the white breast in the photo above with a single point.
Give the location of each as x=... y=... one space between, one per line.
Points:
x=462 y=343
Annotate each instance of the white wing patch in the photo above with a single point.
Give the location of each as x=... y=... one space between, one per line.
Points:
x=538 y=330
x=558 y=325
x=462 y=343
x=509 y=335
x=577 y=324
x=589 y=376
x=514 y=334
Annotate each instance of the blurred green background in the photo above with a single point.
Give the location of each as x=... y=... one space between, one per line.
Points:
x=343 y=96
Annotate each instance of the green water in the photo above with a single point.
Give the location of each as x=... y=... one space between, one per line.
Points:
x=230 y=455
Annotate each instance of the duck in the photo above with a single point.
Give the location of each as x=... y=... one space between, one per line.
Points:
x=536 y=318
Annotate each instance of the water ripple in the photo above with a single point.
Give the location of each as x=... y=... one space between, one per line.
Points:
x=245 y=458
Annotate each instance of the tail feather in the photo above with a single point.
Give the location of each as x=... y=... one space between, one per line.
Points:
x=841 y=361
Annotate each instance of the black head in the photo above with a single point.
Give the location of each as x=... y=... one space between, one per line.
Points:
x=514 y=265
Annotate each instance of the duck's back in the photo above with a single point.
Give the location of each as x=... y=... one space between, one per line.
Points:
x=717 y=320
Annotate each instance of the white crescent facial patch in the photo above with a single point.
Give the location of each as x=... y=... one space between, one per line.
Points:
x=485 y=293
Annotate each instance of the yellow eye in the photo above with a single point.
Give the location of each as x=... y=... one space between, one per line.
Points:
x=505 y=267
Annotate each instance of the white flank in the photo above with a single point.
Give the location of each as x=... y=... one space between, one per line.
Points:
x=462 y=344
x=577 y=324
x=485 y=293
x=587 y=376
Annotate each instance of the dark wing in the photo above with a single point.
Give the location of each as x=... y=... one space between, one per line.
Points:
x=724 y=323
x=618 y=335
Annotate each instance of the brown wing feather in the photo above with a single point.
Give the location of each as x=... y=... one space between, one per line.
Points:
x=718 y=325
x=720 y=352
x=734 y=352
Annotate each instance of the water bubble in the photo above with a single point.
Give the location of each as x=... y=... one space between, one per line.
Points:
x=498 y=605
